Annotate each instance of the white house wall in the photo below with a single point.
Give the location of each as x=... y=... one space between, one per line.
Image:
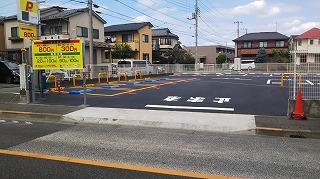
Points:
x=82 y=20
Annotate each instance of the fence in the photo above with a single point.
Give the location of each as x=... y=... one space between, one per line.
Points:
x=308 y=65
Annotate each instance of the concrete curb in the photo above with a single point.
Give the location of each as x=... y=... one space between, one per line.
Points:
x=31 y=115
x=279 y=132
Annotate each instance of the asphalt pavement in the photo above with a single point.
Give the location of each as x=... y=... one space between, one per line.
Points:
x=11 y=105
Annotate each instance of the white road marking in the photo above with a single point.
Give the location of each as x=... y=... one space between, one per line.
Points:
x=265 y=73
x=276 y=83
x=184 y=73
x=309 y=82
x=228 y=73
x=206 y=73
x=28 y=123
x=245 y=75
x=189 y=107
x=271 y=74
x=252 y=73
x=242 y=73
x=15 y=122
x=268 y=82
x=2 y=121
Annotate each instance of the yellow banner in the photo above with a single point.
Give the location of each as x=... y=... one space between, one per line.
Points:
x=29 y=6
x=57 y=54
x=29 y=32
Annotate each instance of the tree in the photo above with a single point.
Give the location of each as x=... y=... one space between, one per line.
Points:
x=178 y=55
x=280 y=56
x=222 y=58
x=122 y=51
x=262 y=56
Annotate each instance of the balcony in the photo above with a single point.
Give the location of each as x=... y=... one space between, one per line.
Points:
x=135 y=46
x=55 y=37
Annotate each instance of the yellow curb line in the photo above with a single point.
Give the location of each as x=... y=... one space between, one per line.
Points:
x=269 y=128
x=15 y=112
x=114 y=165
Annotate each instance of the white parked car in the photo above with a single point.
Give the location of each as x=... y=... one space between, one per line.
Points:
x=245 y=65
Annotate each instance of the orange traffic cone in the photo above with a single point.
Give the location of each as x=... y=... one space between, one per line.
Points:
x=298 y=113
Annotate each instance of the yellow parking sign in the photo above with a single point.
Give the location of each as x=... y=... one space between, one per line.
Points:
x=26 y=31
x=57 y=54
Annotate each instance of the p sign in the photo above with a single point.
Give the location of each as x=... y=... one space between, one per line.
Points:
x=29 y=32
x=27 y=11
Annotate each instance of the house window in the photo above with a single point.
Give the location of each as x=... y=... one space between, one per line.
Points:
x=146 y=56
x=263 y=44
x=299 y=42
x=280 y=43
x=165 y=41
x=95 y=33
x=145 y=38
x=14 y=32
x=247 y=44
x=303 y=58
x=55 y=30
x=82 y=31
x=126 y=37
x=311 y=41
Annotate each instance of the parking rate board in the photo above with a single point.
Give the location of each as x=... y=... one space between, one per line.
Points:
x=57 y=54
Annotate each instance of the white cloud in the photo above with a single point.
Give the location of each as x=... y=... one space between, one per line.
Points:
x=316 y=3
x=303 y=27
x=292 y=23
x=142 y=19
x=148 y=3
x=258 y=7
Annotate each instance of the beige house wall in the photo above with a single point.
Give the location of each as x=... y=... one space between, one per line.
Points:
x=2 y=41
x=145 y=47
x=208 y=52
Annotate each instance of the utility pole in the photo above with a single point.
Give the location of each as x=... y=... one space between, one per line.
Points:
x=90 y=36
x=238 y=22
x=197 y=14
x=245 y=30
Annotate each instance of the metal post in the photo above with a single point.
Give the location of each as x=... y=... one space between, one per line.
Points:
x=90 y=37
x=197 y=11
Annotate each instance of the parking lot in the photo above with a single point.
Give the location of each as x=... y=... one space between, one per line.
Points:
x=241 y=93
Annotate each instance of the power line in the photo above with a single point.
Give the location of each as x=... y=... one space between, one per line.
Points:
x=228 y=19
x=7 y=5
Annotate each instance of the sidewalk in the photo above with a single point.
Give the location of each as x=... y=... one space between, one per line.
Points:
x=215 y=122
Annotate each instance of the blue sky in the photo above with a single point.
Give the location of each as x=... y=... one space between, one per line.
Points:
x=217 y=17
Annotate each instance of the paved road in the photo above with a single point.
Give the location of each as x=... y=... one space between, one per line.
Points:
x=197 y=152
x=226 y=93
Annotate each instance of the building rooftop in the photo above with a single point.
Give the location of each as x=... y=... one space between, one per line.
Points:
x=262 y=36
x=165 y=32
x=126 y=27
x=312 y=33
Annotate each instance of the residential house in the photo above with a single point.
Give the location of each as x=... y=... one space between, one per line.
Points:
x=208 y=54
x=307 y=46
x=2 y=46
x=137 y=35
x=162 y=41
x=61 y=23
x=247 y=46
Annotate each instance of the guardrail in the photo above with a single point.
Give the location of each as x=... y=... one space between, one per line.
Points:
x=283 y=74
x=54 y=79
x=103 y=73
x=74 y=78
x=136 y=72
x=122 y=73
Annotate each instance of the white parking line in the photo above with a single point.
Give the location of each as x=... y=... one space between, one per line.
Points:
x=15 y=122
x=268 y=82
x=245 y=75
x=189 y=107
x=28 y=123
x=2 y=121
x=271 y=74
x=309 y=82
x=252 y=73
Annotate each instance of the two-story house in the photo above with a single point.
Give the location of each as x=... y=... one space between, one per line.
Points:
x=208 y=54
x=163 y=40
x=2 y=47
x=137 y=35
x=307 y=46
x=247 y=46
x=60 y=23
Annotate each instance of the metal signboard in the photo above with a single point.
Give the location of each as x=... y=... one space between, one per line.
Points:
x=57 y=54
x=27 y=11
x=27 y=31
